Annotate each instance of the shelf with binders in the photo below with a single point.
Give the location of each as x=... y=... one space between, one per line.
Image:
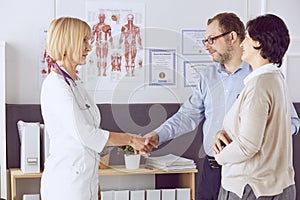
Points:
x=187 y=176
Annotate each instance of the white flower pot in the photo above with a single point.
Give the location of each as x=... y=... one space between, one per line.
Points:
x=132 y=161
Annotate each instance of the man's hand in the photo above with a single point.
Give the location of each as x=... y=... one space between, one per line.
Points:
x=140 y=144
x=221 y=140
x=144 y=145
x=152 y=139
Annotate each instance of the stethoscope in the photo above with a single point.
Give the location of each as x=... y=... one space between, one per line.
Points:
x=67 y=77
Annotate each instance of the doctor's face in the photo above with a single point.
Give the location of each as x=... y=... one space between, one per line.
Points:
x=80 y=57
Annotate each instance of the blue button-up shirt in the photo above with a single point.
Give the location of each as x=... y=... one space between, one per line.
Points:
x=212 y=98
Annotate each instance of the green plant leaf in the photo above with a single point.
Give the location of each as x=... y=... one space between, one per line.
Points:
x=127 y=149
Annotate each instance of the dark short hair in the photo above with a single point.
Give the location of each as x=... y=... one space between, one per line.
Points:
x=229 y=22
x=272 y=34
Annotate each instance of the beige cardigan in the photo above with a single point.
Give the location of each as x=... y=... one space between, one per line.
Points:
x=259 y=124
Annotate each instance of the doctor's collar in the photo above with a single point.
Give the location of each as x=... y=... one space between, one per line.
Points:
x=64 y=73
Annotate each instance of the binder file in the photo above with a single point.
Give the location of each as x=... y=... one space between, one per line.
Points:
x=31 y=197
x=183 y=194
x=29 y=134
x=168 y=194
x=152 y=194
x=122 y=195
x=137 y=195
x=107 y=195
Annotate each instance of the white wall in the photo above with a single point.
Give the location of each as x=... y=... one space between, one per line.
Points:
x=2 y=122
x=22 y=23
x=23 y=31
x=289 y=11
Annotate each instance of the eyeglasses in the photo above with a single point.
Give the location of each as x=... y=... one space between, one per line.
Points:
x=210 y=40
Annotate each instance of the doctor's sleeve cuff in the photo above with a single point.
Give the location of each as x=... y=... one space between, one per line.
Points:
x=102 y=140
x=95 y=140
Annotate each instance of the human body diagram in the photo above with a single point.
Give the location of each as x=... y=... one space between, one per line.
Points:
x=130 y=36
x=101 y=38
x=120 y=58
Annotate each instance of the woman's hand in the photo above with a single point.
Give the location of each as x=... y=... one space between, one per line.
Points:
x=221 y=140
x=140 y=144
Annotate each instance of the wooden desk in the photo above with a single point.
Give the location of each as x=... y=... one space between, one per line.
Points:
x=188 y=176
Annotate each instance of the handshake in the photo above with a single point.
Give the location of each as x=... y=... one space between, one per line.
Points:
x=144 y=144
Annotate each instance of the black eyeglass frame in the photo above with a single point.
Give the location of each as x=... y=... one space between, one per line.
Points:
x=210 y=40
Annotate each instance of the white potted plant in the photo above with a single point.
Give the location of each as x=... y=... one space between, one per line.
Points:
x=132 y=160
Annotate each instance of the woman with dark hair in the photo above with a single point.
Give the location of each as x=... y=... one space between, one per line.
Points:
x=258 y=162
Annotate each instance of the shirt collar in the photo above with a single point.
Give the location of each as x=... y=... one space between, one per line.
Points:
x=243 y=65
x=268 y=68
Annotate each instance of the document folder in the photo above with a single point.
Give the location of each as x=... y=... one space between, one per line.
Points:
x=30 y=146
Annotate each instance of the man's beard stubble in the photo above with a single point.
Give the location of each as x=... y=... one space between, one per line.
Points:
x=225 y=57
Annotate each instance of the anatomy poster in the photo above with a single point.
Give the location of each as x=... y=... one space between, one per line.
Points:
x=44 y=69
x=117 y=55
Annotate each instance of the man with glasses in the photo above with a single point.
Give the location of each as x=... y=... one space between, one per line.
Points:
x=218 y=88
x=210 y=40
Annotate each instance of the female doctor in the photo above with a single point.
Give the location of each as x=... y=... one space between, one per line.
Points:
x=72 y=119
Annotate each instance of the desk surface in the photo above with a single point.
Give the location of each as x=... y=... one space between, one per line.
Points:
x=112 y=170
x=120 y=170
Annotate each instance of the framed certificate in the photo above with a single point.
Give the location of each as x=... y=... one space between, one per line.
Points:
x=191 y=70
x=162 y=67
x=192 y=42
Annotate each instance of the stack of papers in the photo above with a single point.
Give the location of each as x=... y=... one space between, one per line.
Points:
x=170 y=162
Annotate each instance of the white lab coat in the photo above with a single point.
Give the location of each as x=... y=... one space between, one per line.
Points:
x=71 y=170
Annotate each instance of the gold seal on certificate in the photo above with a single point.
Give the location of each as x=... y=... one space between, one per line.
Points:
x=162 y=75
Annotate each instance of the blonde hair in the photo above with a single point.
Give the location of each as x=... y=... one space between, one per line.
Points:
x=65 y=37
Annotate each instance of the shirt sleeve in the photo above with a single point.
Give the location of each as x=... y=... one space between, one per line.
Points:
x=295 y=120
x=188 y=117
